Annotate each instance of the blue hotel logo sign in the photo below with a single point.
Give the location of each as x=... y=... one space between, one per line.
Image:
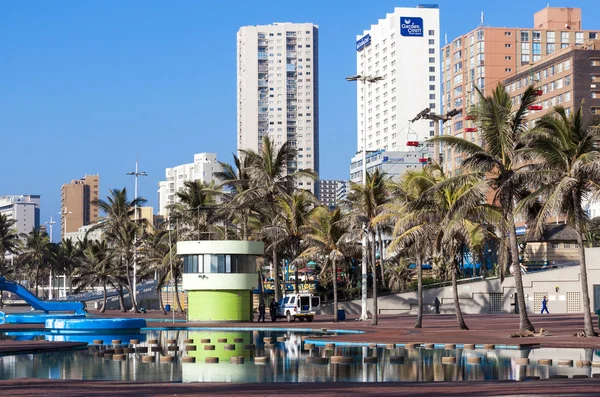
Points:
x=411 y=26
x=363 y=42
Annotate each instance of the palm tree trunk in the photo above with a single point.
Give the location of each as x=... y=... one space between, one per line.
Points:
x=374 y=318
x=261 y=285
x=161 y=304
x=121 y=298
x=419 y=323
x=524 y=323
x=177 y=299
x=459 y=315
x=103 y=298
x=276 y=275
x=587 y=317
x=134 y=307
x=381 y=257
x=335 y=298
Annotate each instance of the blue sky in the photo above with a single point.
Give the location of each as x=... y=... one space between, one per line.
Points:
x=87 y=85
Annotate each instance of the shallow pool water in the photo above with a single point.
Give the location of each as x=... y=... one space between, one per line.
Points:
x=288 y=361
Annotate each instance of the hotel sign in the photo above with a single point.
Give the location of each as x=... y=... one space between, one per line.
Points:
x=363 y=42
x=411 y=26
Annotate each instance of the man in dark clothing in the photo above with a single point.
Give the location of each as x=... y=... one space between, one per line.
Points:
x=436 y=305
x=273 y=310
x=261 y=311
x=544 y=306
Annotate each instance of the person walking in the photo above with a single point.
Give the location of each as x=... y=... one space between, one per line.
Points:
x=261 y=311
x=436 y=305
x=544 y=305
x=273 y=310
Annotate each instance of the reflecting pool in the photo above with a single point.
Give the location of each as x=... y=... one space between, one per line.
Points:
x=288 y=358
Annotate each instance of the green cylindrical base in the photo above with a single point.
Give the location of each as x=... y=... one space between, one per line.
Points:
x=220 y=305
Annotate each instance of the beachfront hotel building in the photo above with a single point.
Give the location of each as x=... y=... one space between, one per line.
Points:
x=77 y=208
x=403 y=49
x=278 y=91
x=486 y=56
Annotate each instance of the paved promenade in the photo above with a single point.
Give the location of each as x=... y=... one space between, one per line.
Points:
x=484 y=329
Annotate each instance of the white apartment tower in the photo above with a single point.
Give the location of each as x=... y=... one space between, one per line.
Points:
x=403 y=49
x=277 y=83
x=202 y=169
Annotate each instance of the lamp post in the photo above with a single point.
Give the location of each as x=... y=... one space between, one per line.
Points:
x=173 y=292
x=428 y=115
x=135 y=219
x=63 y=215
x=364 y=80
x=50 y=224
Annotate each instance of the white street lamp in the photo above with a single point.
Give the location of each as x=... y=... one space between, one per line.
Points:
x=364 y=79
x=63 y=215
x=50 y=224
x=135 y=218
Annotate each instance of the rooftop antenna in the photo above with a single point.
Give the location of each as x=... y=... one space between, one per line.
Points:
x=446 y=39
x=481 y=18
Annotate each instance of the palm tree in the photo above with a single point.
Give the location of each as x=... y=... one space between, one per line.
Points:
x=328 y=235
x=367 y=202
x=67 y=258
x=502 y=131
x=236 y=181
x=9 y=238
x=155 y=251
x=414 y=229
x=37 y=254
x=399 y=274
x=196 y=211
x=566 y=172
x=288 y=231
x=120 y=230
x=269 y=179
x=97 y=267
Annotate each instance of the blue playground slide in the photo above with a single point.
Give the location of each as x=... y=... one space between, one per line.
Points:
x=46 y=306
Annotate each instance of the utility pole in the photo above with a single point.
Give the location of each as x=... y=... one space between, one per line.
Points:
x=50 y=224
x=135 y=219
x=364 y=279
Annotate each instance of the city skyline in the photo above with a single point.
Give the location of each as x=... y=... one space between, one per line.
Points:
x=135 y=89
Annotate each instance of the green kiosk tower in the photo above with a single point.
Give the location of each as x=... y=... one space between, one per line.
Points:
x=219 y=277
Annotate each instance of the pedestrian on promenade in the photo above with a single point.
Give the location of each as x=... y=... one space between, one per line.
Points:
x=544 y=305
x=273 y=310
x=436 y=305
x=261 y=311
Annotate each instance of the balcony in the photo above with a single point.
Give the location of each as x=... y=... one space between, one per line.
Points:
x=263 y=117
x=291 y=96
x=263 y=83
x=291 y=116
x=290 y=67
x=263 y=43
x=263 y=55
x=263 y=69
x=291 y=54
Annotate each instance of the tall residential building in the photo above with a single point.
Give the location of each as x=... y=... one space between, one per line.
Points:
x=569 y=78
x=278 y=91
x=327 y=191
x=487 y=55
x=76 y=203
x=24 y=210
x=403 y=49
x=202 y=169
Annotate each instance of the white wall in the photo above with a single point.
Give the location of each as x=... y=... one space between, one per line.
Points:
x=475 y=297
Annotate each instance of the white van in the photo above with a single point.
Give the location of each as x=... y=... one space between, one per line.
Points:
x=300 y=306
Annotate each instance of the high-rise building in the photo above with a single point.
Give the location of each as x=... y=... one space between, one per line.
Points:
x=402 y=49
x=77 y=209
x=327 y=191
x=24 y=210
x=202 y=169
x=278 y=91
x=488 y=55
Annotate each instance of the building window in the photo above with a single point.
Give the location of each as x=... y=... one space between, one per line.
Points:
x=524 y=48
x=432 y=32
x=550 y=37
x=550 y=48
x=524 y=35
x=578 y=37
x=507 y=69
x=431 y=41
x=507 y=58
x=536 y=48
x=524 y=59
x=564 y=37
x=508 y=33
x=593 y=35
x=536 y=35
x=507 y=45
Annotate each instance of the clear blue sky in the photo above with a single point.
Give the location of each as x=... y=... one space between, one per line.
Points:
x=87 y=85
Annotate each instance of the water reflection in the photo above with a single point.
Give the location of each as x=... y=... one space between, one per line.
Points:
x=288 y=361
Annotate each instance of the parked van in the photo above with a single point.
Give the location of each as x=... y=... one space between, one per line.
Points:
x=299 y=306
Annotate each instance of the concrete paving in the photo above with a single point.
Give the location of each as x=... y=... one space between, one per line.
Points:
x=484 y=329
